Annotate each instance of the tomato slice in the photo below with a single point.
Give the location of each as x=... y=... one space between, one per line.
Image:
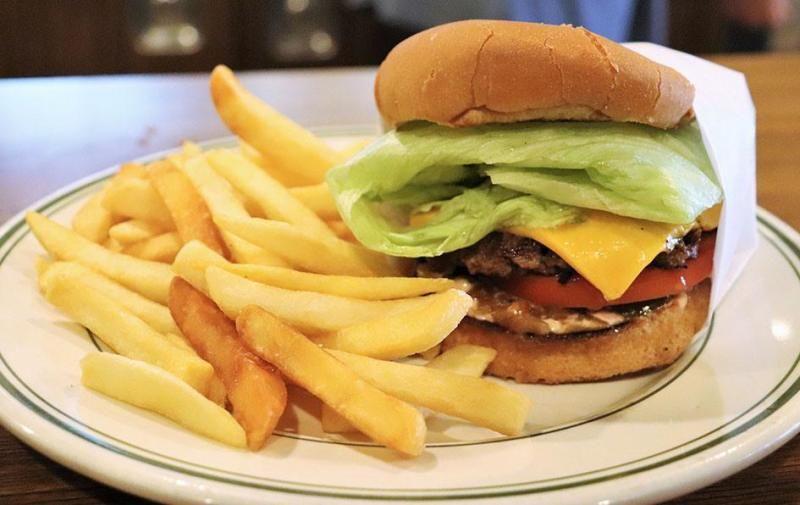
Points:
x=652 y=283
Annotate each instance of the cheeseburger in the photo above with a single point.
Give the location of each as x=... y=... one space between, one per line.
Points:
x=561 y=176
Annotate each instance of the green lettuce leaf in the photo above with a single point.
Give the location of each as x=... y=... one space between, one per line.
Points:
x=541 y=174
x=465 y=219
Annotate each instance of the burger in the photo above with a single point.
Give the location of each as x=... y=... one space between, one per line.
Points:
x=561 y=177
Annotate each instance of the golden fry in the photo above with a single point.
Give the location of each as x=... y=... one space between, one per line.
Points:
x=314 y=312
x=287 y=179
x=386 y=420
x=275 y=201
x=464 y=359
x=189 y=149
x=319 y=199
x=478 y=401
x=333 y=422
x=92 y=221
x=194 y=258
x=125 y=333
x=192 y=261
x=136 y=198
x=154 y=314
x=134 y=170
x=470 y=360
x=281 y=142
x=309 y=252
x=188 y=210
x=148 y=278
x=342 y=231
x=161 y=248
x=402 y=334
x=150 y=388
x=113 y=246
x=221 y=200
x=134 y=230
x=431 y=353
x=255 y=389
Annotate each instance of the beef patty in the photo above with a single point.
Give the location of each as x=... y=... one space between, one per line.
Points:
x=501 y=254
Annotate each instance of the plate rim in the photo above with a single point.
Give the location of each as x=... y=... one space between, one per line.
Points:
x=788 y=236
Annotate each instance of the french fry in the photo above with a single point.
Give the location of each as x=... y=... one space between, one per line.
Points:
x=134 y=230
x=255 y=389
x=154 y=314
x=125 y=333
x=134 y=170
x=217 y=193
x=161 y=248
x=318 y=198
x=251 y=154
x=280 y=141
x=365 y=288
x=179 y=342
x=112 y=245
x=384 y=419
x=306 y=251
x=216 y=391
x=42 y=264
x=314 y=312
x=148 y=278
x=188 y=210
x=243 y=251
x=287 y=179
x=333 y=422
x=221 y=200
x=431 y=353
x=403 y=334
x=148 y=387
x=478 y=401
x=342 y=231
x=93 y=221
x=193 y=259
x=274 y=199
x=136 y=198
x=467 y=359
x=464 y=359
x=190 y=149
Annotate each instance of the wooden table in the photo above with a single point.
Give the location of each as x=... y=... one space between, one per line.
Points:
x=57 y=130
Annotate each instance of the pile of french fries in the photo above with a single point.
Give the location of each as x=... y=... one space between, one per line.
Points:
x=218 y=276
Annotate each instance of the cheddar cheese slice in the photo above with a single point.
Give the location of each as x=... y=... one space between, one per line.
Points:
x=609 y=251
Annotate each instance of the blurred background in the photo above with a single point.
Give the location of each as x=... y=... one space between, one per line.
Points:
x=84 y=37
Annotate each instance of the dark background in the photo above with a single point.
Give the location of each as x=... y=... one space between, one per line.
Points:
x=83 y=37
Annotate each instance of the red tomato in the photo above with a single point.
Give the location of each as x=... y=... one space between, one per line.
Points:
x=652 y=283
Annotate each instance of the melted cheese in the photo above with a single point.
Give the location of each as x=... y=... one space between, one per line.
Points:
x=709 y=219
x=609 y=251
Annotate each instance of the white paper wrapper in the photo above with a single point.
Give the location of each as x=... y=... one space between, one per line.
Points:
x=727 y=121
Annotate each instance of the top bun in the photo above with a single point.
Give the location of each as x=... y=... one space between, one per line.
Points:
x=474 y=72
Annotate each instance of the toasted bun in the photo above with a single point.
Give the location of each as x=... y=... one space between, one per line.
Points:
x=646 y=342
x=474 y=72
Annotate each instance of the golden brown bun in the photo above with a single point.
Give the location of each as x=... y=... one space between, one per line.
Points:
x=646 y=342
x=473 y=72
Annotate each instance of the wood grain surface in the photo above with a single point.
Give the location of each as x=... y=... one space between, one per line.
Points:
x=55 y=131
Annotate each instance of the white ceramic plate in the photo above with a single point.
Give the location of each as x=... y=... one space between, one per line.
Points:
x=730 y=400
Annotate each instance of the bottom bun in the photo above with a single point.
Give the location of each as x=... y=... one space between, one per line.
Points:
x=646 y=342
